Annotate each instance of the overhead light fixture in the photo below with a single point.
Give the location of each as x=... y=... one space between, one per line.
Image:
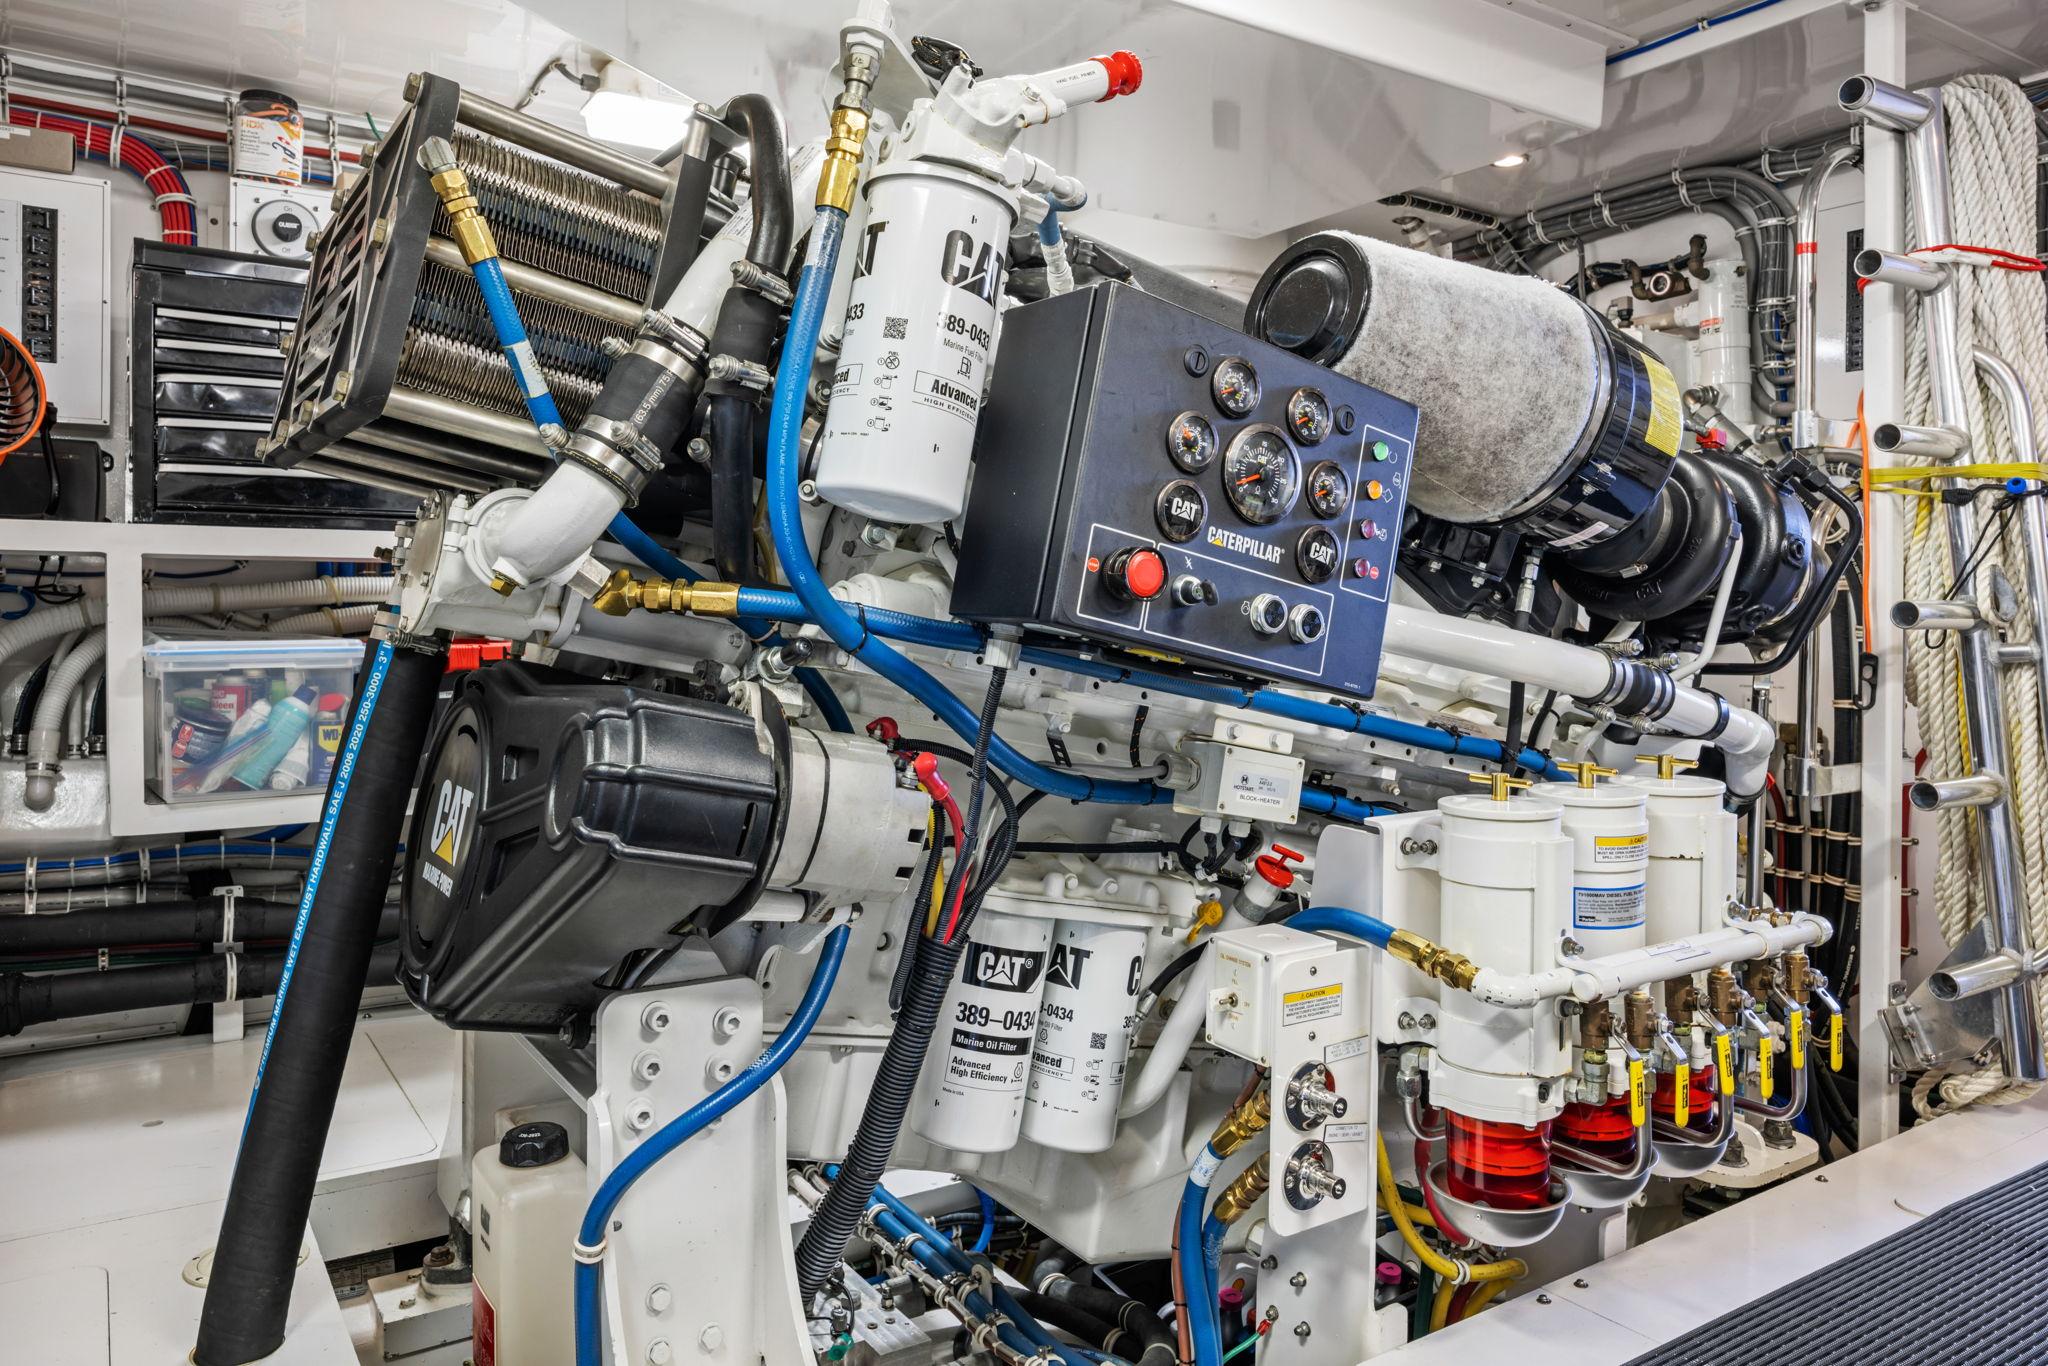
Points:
x=1510 y=161
x=632 y=108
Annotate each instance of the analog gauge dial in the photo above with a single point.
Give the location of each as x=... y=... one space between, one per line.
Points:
x=1235 y=385
x=1308 y=415
x=1261 y=474
x=1191 y=441
x=1329 y=489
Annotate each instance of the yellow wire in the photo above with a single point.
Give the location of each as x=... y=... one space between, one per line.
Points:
x=1999 y=470
x=1440 y=1306
x=1391 y=1201
x=931 y=915
x=1481 y=1298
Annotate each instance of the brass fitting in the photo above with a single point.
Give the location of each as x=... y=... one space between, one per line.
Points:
x=843 y=147
x=1723 y=999
x=1639 y=1020
x=622 y=593
x=1759 y=975
x=1589 y=773
x=503 y=586
x=1504 y=786
x=1798 y=976
x=1596 y=1022
x=465 y=217
x=1433 y=959
x=1681 y=998
x=1244 y=1191
x=1245 y=1123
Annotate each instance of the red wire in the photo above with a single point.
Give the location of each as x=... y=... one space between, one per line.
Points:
x=159 y=125
x=137 y=157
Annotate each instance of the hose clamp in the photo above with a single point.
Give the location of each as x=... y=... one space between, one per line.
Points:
x=685 y=365
x=588 y=1254
x=1723 y=713
x=617 y=451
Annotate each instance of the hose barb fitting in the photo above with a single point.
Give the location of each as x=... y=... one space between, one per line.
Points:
x=843 y=148
x=465 y=218
x=622 y=593
x=1244 y=1190
x=1245 y=1123
x=1433 y=959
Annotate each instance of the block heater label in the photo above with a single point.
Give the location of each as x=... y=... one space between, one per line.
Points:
x=1607 y=908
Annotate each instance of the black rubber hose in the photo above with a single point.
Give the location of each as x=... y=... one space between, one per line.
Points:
x=171 y=922
x=833 y=1224
x=255 y=1257
x=1064 y=1316
x=768 y=169
x=732 y=484
x=1129 y=1315
x=1807 y=615
x=25 y=705
x=27 y=999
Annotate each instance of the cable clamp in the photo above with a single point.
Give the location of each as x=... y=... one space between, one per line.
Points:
x=172 y=198
x=589 y=1255
x=1600 y=203
x=234 y=979
x=1536 y=226
x=28 y=885
x=6 y=76
x=1763 y=165
x=120 y=124
x=1684 y=191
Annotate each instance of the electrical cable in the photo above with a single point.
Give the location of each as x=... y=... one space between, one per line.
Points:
x=597 y=1217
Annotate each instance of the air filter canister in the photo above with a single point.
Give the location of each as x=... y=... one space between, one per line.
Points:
x=1535 y=413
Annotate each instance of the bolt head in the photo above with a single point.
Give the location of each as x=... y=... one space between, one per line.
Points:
x=725 y=1023
x=1301 y=1330
x=659 y=1298
x=640 y=1117
x=659 y=1353
x=647 y=1066
x=1298 y=1279
x=656 y=1016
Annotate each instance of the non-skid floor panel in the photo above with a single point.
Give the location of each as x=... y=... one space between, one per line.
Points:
x=1962 y=1285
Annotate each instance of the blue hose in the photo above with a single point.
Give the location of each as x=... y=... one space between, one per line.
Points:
x=1205 y=1332
x=680 y=1130
x=1339 y=920
x=988 y=1222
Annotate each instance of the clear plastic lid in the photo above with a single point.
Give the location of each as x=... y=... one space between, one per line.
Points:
x=167 y=653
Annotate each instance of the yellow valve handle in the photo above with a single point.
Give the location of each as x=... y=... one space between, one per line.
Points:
x=1795 y=1036
x=1767 y=1075
x=1724 y=1061
x=1638 y=1095
x=1681 y=1095
x=1835 y=1041
x=1207 y=914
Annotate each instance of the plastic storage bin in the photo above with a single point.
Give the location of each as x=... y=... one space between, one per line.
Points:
x=234 y=718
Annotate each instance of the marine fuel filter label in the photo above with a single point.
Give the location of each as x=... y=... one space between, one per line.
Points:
x=1607 y=908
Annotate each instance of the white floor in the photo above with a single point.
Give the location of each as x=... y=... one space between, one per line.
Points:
x=116 y=1160
x=1618 y=1310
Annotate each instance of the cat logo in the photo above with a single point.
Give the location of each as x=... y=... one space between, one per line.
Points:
x=1000 y=969
x=864 y=259
x=971 y=266
x=1067 y=963
x=451 y=813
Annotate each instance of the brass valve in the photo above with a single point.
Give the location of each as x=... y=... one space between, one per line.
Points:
x=1798 y=976
x=1244 y=1191
x=1639 y=1020
x=1588 y=773
x=1667 y=764
x=1245 y=1123
x=622 y=593
x=1681 y=998
x=1759 y=975
x=1432 y=958
x=1596 y=1022
x=1724 y=1001
x=1503 y=785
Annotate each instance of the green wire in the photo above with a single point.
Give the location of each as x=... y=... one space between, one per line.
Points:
x=372 y=120
x=1244 y=1346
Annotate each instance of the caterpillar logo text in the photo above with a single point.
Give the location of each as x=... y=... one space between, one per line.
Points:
x=446 y=835
x=971 y=266
x=1223 y=538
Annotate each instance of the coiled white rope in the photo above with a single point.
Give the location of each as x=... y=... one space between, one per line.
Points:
x=1992 y=150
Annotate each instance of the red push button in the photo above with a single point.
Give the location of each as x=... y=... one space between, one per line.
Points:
x=1135 y=574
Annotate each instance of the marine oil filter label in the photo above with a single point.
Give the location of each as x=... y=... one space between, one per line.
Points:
x=996 y=1018
x=1613 y=849
x=1607 y=908
x=1311 y=1003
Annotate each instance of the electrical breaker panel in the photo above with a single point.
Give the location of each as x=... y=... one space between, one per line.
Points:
x=1149 y=478
x=56 y=262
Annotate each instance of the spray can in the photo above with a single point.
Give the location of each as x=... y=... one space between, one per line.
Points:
x=290 y=773
x=920 y=331
x=269 y=137
x=288 y=721
x=1085 y=1021
x=971 y=1094
x=327 y=724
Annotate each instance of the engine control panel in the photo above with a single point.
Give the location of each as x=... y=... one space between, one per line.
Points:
x=1148 y=478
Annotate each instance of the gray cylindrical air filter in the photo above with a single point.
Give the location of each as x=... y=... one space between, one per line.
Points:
x=1535 y=413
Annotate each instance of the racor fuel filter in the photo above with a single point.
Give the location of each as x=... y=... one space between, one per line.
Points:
x=1085 y=1021
x=970 y=1096
x=920 y=328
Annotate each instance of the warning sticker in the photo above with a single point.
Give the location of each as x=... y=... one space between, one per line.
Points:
x=1665 y=426
x=1607 y=908
x=1311 y=1003
x=1612 y=849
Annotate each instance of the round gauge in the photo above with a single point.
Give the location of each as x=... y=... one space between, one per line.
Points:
x=1261 y=474
x=1236 y=386
x=1180 y=511
x=1315 y=554
x=1191 y=441
x=1329 y=489
x=1308 y=415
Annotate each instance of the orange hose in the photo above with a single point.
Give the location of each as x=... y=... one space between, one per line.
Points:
x=1862 y=433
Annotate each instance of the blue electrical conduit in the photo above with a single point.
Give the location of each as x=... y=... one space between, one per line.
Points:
x=330 y=817
x=680 y=1130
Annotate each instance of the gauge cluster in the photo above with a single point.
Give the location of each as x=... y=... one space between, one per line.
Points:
x=1150 y=479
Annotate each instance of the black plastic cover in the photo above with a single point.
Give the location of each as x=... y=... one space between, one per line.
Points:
x=568 y=831
x=540 y=1144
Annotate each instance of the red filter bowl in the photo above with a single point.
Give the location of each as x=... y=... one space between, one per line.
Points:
x=1504 y=1166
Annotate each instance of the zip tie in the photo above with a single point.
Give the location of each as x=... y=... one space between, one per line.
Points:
x=28 y=885
x=1600 y=203
x=1537 y=227
x=1684 y=191
x=589 y=1255
x=173 y=197
x=1763 y=163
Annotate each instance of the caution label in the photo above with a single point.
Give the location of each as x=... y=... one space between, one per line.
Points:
x=1665 y=423
x=1311 y=1003
x=1607 y=908
x=1609 y=850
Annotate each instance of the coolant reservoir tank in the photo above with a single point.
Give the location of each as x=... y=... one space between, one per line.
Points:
x=1691 y=876
x=526 y=1199
x=1610 y=833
